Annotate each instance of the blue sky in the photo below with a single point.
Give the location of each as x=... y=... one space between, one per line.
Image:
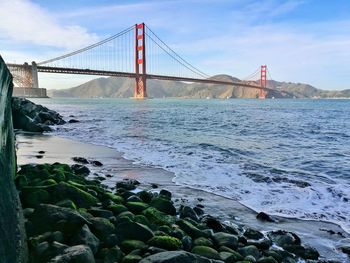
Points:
x=301 y=40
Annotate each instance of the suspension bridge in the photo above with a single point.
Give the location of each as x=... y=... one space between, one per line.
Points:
x=136 y=52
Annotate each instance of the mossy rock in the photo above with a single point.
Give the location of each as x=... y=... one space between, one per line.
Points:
x=79 y=185
x=253 y=234
x=85 y=237
x=102 y=227
x=129 y=245
x=136 y=207
x=165 y=194
x=126 y=214
x=46 y=218
x=111 y=255
x=157 y=217
x=131 y=259
x=190 y=229
x=267 y=260
x=98 y=212
x=249 y=251
x=142 y=220
x=207 y=252
x=59 y=166
x=178 y=233
x=225 y=239
x=67 y=203
x=202 y=241
x=164 y=205
x=166 y=242
x=48 y=182
x=117 y=199
x=145 y=196
x=166 y=229
x=58 y=175
x=234 y=257
x=135 y=231
x=32 y=197
x=81 y=198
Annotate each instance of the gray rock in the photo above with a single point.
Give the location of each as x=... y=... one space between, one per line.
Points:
x=102 y=227
x=46 y=217
x=76 y=254
x=253 y=234
x=136 y=231
x=284 y=238
x=227 y=240
x=29 y=116
x=177 y=257
x=249 y=251
x=186 y=211
x=85 y=237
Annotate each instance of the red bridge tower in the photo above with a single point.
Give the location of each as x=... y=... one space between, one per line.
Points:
x=140 y=62
x=263 y=80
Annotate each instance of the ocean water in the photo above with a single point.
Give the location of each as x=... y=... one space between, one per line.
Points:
x=284 y=157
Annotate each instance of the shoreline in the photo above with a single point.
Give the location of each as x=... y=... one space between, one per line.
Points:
x=28 y=147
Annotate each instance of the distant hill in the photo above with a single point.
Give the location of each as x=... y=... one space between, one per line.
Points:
x=112 y=87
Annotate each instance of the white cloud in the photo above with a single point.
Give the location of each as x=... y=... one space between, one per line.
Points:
x=24 y=21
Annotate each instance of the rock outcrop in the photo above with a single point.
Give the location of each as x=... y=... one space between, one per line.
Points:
x=31 y=117
x=12 y=234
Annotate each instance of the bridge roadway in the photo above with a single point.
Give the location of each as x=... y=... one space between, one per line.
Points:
x=46 y=69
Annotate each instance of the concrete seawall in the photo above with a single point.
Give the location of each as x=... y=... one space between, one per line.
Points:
x=13 y=247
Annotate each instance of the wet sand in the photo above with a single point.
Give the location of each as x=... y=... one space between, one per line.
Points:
x=57 y=149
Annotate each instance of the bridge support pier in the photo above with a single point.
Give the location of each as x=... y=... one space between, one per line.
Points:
x=35 y=81
x=140 y=62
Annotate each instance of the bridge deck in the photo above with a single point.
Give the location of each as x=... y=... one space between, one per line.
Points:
x=46 y=69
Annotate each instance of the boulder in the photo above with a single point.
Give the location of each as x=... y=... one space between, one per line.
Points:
x=84 y=237
x=165 y=194
x=284 y=238
x=213 y=223
x=249 y=251
x=102 y=227
x=46 y=217
x=76 y=254
x=132 y=230
x=157 y=217
x=225 y=239
x=130 y=245
x=253 y=234
x=201 y=241
x=31 y=117
x=267 y=260
x=98 y=212
x=81 y=160
x=265 y=217
x=177 y=257
x=65 y=190
x=111 y=255
x=163 y=205
x=165 y=242
x=136 y=207
x=117 y=209
x=186 y=211
x=131 y=258
x=207 y=252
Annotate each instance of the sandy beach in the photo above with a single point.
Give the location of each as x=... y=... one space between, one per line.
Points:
x=34 y=148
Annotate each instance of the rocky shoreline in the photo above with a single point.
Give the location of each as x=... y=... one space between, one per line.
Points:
x=70 y=218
